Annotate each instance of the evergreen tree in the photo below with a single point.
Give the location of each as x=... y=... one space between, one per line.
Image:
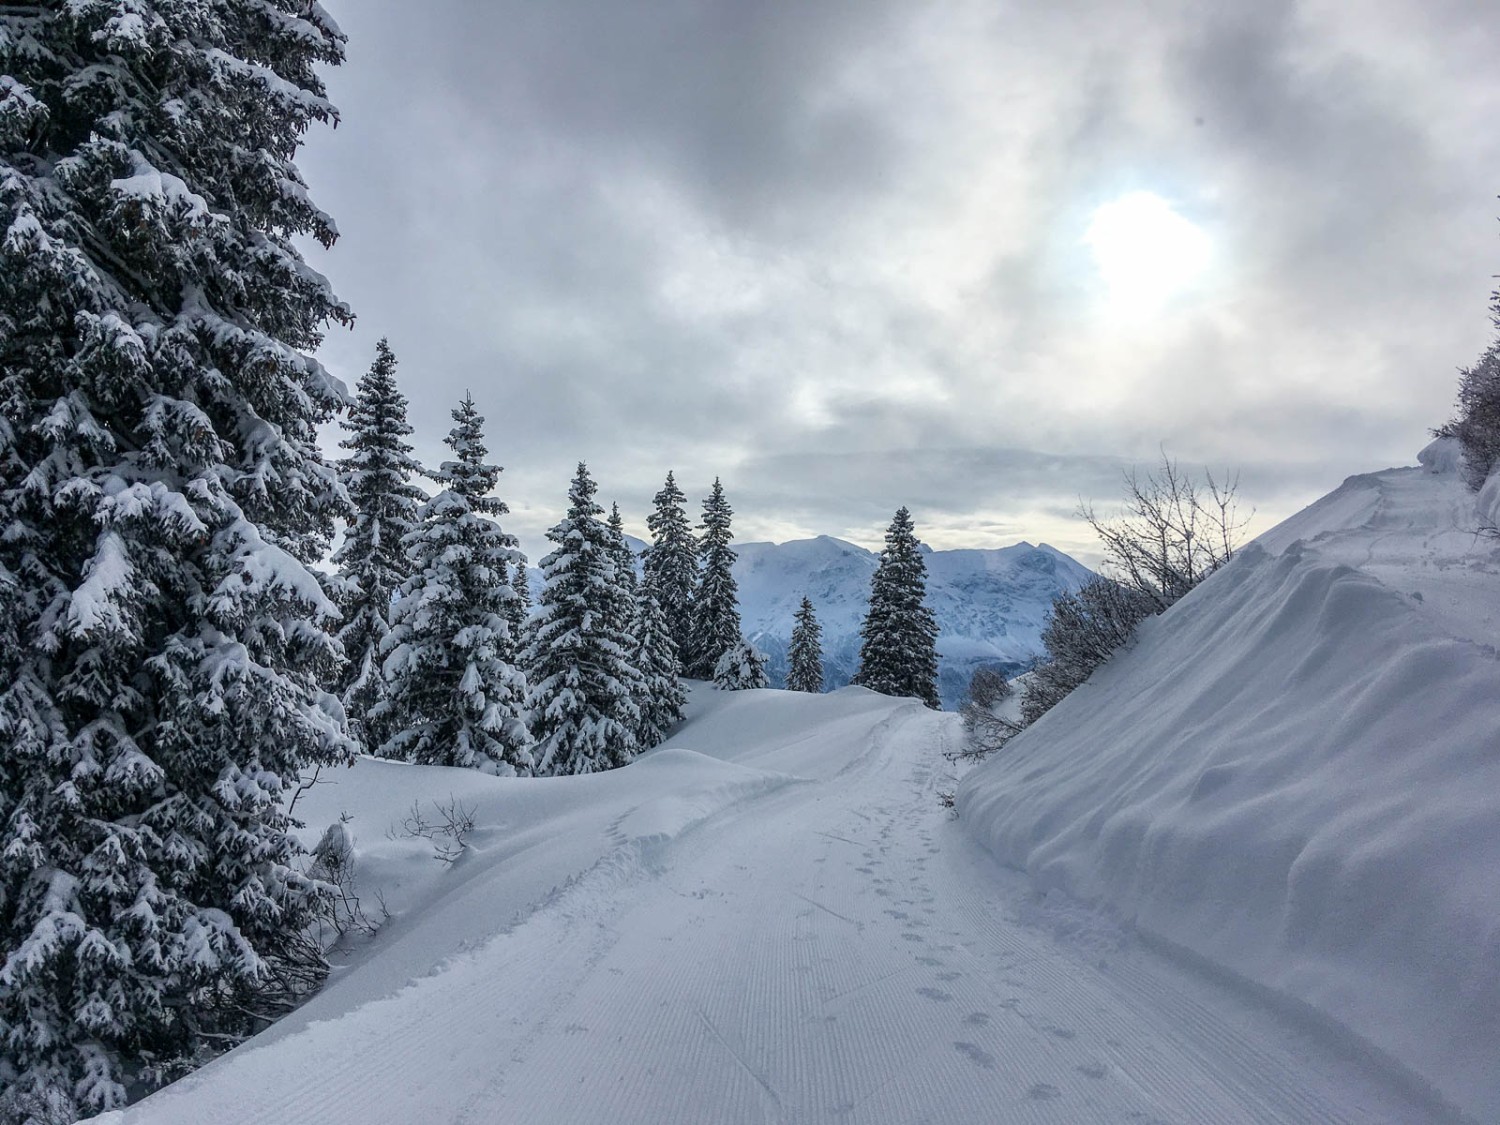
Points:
x=579 y=660
x=740 y=668
x=624 y=556
x=670 y=563
x=805 y=653
x=662 y=697
x=622 y=609
x=161 y=494
x=372 y=560
x=716 y=615
x=899 y=653
x=520 y=606
x=456 y=695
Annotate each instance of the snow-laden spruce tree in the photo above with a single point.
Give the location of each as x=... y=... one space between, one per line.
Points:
x=716 y=614
x=670 y=563
x=520 y=606
x=456 y=695
x=661 y=695
x=623 y=607
x=161 y=494
x=898 y=655
x=805 y=653
x=740 y=668
x=584 y=683
x=624 y=556
x=372 y=560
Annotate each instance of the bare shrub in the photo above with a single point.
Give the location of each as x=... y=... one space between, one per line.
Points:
x=1171 y=533
x=448 y=829
x=986 y=729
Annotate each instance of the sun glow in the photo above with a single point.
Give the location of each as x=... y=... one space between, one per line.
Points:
x=1145 y=252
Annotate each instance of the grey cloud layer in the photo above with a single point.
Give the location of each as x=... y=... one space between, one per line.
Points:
x=833 y=251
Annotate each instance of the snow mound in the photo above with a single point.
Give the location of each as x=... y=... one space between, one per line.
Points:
x=1293 y=775
x=667 y=817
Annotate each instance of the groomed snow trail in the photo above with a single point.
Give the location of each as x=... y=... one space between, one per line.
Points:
x=830 y=951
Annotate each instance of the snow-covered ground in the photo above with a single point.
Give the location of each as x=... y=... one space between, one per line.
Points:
x=1294 y=775
x=770 y=918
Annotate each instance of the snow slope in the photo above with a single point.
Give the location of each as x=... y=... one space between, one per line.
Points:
x=991 y=605
x=1294 y=775
x=768 y=919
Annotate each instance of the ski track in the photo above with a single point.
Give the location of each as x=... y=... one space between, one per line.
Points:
x=832 y=952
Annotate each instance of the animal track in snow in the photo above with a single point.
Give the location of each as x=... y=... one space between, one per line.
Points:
x=976 y=1055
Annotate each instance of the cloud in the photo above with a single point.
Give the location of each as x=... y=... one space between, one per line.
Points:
x=834 y=252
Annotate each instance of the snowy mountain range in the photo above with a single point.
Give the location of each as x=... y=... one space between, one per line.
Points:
x=991 y=605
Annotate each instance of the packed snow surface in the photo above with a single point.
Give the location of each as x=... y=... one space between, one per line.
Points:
x=1294 y=775
x=771 y=918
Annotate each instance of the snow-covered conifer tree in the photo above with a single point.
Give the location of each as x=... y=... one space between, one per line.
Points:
x=740 y=668
x=805 y=653
x=660 y=671
x=580 y=658
x=520 y=607
x=899 y=652
x=457 y=696
x=372 y=560
x=716 y=614
x=670 y=563
x=624 y=556
x=621 y=597
x=161 y=494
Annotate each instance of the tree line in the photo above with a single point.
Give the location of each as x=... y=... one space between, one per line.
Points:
x=448 y=663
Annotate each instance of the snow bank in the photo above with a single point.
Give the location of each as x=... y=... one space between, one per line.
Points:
x=1294 y=775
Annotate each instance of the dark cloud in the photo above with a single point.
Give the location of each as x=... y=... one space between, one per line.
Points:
x=834 y=251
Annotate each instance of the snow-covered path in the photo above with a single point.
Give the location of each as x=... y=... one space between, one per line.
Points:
x=832 y=950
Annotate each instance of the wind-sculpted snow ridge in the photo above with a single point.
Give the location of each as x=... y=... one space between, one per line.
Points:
x=1293 y=775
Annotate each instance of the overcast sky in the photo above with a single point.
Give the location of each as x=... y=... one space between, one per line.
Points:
x=848 y=255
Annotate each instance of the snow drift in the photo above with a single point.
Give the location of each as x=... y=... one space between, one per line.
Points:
x=1294 y=774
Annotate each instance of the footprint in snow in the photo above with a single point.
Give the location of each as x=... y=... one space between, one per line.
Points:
x=1093 y=1070
x=1042 y=1091
x=977 y=1019
x=976 y=1055
x=1063 y=1032
x=935 y=994
x=948 y=976
x=912 y=937
x=929 y=961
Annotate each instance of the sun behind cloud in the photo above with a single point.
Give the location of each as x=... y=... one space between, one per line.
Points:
x=1145 y=252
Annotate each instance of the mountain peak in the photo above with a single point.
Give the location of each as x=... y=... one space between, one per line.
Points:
x=991 y=603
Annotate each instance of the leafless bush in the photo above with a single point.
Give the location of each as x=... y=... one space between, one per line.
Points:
x=1172 y=532
x=985 y=728
x=1086 y=627
x=448 y=830
x=1477 y=426
x=333 y=863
